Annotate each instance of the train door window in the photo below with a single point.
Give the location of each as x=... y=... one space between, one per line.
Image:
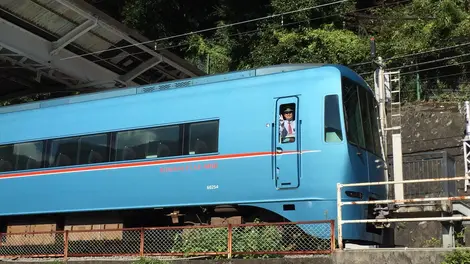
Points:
x=63 y=152
x=287 y=123
x=333 y=131
x=29 y=155
x=366 y=121
x=204 y=137
x=7 y=159
x=93 y=149
x=352 y=113
x=164 y=142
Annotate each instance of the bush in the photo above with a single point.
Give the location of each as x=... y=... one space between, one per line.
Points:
x=458 y=256
x=244 y=239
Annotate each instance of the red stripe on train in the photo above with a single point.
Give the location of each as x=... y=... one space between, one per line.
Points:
x=139 y=163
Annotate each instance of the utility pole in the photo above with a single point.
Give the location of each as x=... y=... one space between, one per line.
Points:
x=395 y=125
x=379 y=96
x=466 y=145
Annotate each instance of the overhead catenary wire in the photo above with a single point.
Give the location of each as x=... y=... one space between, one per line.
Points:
x=211 y=29
x=430 y=69
x=421 y=63
x=428 y=62
x=415 y=54
x=426 y=52
x=444 y=76
x=435 y=68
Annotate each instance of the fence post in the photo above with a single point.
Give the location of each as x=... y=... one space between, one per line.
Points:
x=332 y=237
x=229 y=241
x=339 y=216
x=141 y=252
x=66 y=245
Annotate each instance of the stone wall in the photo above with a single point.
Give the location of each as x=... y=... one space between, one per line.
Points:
x=433 y=127
x=430 y=127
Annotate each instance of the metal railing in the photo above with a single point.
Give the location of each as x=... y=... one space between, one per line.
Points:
x=313 y=237
x=391 y=201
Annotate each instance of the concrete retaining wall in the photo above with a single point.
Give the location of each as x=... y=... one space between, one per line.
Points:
x=373 y=256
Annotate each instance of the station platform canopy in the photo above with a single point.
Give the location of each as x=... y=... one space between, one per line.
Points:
x=42 y=43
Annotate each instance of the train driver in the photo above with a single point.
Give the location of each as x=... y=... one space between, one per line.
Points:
x=287 y=126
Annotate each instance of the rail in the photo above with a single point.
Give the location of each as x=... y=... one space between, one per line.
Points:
x=340 y=204
x=271 y=239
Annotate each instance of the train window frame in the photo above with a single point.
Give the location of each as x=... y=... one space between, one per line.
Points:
x=359 y=129
x=282 y=108
x=215 y=137
x=50 y=160
x=107 y=149
x=332 y=111
x=14 y=160
x=42 y=153
x=52 y=154
x=366 y=119
x=146 y=146
x=11 y=159
x=375 y=122
x=111 y=143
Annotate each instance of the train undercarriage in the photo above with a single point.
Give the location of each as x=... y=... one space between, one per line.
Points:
x=153 y=217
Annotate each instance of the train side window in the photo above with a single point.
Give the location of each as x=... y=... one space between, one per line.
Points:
x=366 y=120
x=29 y=155
x=131 y=145
x=287 y=123
x=352 y=113
x=332 y=120
x=93 y=149
x=148 y=143
x=204 y=137
x=7 y=159
x=164 y=142
x=375 y=125
x=63 y=152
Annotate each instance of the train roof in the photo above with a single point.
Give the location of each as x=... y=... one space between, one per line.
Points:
x=179 y=84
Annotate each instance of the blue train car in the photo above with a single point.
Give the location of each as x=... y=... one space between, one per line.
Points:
x=270 y=143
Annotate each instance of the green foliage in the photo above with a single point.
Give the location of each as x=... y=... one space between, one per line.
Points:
x=425 y=24
x=431 y=243
x=325 y=45
x=253 y=241
x=283 y=6
x=55 y=262
x=214 y=53
x=201 y=240
x=149 y=261
x=256 y=239
x=458 y=256
x=244 y=239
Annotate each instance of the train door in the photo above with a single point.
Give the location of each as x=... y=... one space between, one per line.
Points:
x=287 y=142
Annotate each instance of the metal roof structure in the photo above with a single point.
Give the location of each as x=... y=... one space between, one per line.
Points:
x=43 y=42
